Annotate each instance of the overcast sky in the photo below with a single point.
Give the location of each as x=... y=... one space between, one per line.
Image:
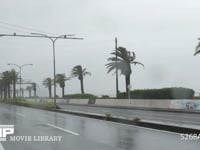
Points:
x=162 y=33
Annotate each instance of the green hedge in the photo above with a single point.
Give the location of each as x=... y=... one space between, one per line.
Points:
x=81 y=96
x=164 y=93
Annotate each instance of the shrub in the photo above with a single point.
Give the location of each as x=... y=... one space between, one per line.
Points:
x=81 y=96
x=105 y=96
x=165 y=93
x=23 y=102
x=107 y=116
x=136 y=119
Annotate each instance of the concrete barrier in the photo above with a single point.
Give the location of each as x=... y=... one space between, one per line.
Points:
x=149 y=103
x=143 y=103
x=78 y=101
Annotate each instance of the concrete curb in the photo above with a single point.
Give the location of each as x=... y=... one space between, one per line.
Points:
x=139 y=108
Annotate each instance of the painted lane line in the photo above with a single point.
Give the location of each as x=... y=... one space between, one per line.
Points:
x=145 y=128
x=65 y=130
x=1 y=147
x=20 y=114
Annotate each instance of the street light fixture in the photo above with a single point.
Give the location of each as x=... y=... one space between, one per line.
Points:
x=20 y=71
x=53 y=40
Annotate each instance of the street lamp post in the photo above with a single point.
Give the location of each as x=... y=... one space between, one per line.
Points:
x=53 y=40
x=20 y=73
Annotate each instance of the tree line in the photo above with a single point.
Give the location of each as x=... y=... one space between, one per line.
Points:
x=121 y=60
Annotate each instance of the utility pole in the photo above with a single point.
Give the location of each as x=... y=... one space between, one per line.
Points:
x=53 y=40
x=117 y=87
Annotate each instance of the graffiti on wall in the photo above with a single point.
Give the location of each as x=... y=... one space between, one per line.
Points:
x=185 y=104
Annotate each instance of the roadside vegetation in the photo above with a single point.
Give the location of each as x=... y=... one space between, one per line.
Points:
x=120 y=60
x=24 y=102
x=164 y=93
x=81 y=96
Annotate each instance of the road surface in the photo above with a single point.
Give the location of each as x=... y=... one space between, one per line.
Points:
x=81 y=133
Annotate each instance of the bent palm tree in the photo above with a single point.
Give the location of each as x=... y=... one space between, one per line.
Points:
x=122 y=62
x=60 y=79
x=79 y=72
x=48 y=84
x=197 y=49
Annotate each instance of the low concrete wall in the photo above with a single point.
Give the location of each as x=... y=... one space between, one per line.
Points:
x=149 y=103
x=144 y=103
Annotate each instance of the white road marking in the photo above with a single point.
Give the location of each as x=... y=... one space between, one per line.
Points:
x=20 y=114
x=146 y=128
x=65 y=130
x=1 y=147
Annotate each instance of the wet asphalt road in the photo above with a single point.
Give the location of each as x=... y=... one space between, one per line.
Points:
x=80 y=133
x=168 y=117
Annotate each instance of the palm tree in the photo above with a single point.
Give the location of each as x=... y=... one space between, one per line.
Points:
x=122 y=62
x=197 y=49
x=1 y=89
x=6 y=81
x=29 y=89
x=79 y=72
x=14 y=77
x=48 y=84
x=60 y=79
x=34 y=88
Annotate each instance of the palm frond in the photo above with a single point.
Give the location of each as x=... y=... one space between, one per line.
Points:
x=197 y=49
x=137 y=63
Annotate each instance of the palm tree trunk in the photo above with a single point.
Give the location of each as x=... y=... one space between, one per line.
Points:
x=29 y=93
x=82 y=88
x=34 y=92
x=5 y=92
x=49 y=91
x=22 y=92
x=14 y=90
x=63 y=92
x=8 y=91
x=1 y=92
x=127 y=80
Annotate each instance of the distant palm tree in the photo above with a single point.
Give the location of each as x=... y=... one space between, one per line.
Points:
x=197 y=49
x=14 y=77
x=79 y=72
x=48 y=84
x=6 y=81
x=60 y=79
x=123 y=62
x=29 y=89
x=34 y=88
x=1 y=88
